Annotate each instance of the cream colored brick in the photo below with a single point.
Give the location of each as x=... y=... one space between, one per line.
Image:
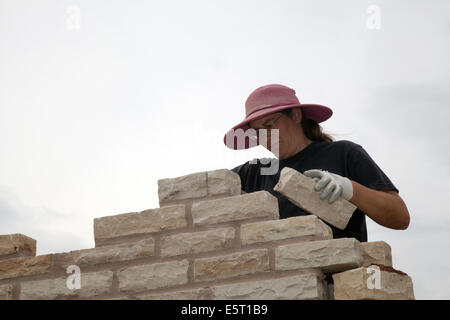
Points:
x=17 y=243
x=361 y=284
x=299 y=287
x=377 y=252
x=328 y=255
x=153 y=276
x=92 y=284
x=259 y=204
x=107 y=254
x=192 y=294
x=231 y=265
x=299 y=189
x=6 y=291
x=25 y=266
x=308 y=228
x=180 y=188
x=147 y=221
x=223 y=182
x=197 y=242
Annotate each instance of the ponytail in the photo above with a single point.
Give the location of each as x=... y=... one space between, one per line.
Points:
x=312 y=130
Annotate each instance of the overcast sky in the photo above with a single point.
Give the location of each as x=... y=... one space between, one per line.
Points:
x=100 y=99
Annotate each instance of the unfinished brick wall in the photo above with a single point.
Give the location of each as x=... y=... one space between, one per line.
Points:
x=206 y=241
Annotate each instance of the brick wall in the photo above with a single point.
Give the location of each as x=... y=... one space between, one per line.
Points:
x=208 y=241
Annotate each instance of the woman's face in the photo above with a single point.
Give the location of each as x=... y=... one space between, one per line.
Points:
x=290 y=132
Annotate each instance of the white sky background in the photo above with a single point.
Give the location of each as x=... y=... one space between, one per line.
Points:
x=91 y=118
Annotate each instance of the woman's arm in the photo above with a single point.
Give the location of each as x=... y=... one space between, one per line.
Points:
x=385 y=207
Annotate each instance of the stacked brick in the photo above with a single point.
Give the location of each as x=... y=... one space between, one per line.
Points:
x=205 y=241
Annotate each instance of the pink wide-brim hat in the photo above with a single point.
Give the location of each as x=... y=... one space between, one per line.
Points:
x=266 y=100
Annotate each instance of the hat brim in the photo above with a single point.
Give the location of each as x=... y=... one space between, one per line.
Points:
x=316 y=112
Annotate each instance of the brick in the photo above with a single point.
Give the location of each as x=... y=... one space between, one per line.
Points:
x=299 y=189
x=308 y=228
x=17 y=244
x=6 y=291
x=107 y=254
x=360 y=284
x=197 y=242
x=223 y=182
x=25 y=266
x=189 y=186
x=192 y=294
x=377 y=252
x=299 y=287
x=259 y=204
x=231 y=265
x=328 y=255
x=147 y=221
x=92 y=284
x=153 y=276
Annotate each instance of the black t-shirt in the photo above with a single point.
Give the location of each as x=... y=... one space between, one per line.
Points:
x=343 y=157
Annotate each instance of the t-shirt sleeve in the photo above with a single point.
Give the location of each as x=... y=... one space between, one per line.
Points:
x=240 y=171
x=365 y=171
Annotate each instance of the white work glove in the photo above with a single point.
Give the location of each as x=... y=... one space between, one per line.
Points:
x=334 y=184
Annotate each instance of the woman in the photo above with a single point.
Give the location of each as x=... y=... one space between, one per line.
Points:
x=340 y=168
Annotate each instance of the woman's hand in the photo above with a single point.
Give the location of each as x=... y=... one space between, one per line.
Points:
x=333 y=184
x=385 y=207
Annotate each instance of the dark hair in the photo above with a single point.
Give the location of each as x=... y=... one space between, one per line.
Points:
x=311 y=129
